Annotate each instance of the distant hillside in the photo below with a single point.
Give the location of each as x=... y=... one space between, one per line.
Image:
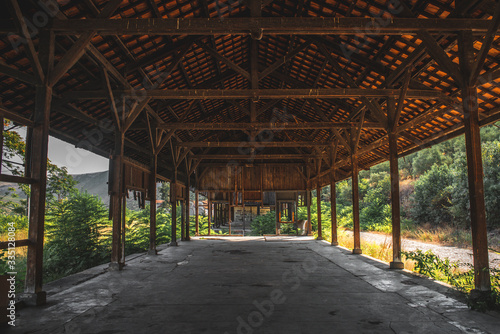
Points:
x=94 y=183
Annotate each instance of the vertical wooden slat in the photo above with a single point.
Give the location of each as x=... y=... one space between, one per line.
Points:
x=474 y=165
x=355 y=205
x=308 y=201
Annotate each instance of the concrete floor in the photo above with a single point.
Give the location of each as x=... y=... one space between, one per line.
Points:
x=252 y=285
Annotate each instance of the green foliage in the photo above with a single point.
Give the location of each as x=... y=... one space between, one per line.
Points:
x=77 y=234
x=460 y=193
x=432 y=196
x=265 y=224
x=59 y=183
x=427 y=263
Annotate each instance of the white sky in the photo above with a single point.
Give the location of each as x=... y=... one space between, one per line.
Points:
x=76 y=160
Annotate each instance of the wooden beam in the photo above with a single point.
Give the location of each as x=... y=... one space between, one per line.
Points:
x=203 y=94
x=281 y=61
x=440 y=56
x=265 y=126
x=28 y=43
x=214 y=53
x=15 y=117
x=74 y=54
x=253 y=144
x=16 y=74
x=111 y=98
x=269 y=26
x=254 y=156
x=486 y=45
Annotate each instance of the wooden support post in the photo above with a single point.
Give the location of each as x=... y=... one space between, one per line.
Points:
x=152 y=207
x=188 y=185
x=278 y=217
x=173 y=201
x=1 y=141
x=124 y=231
x=183 y=221
x=209 y=201
x=395 y=203
x=196 y=213
x=309 y=223
x=33 y=289
x=333 y=205
x=355 y=205
x=33 y=293
x=116 y=201
x=318 y=206
x=474 y=167
x=394 y=171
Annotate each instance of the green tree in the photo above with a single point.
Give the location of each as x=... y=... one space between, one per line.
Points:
x=77 y=234
x=432 y=196
x=59 y=183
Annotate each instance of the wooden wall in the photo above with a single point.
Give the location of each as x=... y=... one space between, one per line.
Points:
x=257 y=178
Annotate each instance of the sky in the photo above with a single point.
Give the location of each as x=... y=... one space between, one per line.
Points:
x=76 y=160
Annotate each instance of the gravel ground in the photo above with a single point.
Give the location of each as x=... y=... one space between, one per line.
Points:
x=462 y=255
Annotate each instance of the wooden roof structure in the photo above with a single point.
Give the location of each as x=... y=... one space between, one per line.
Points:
x=236 y=96
x=203 y=72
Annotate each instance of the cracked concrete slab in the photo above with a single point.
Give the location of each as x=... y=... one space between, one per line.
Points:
x=252 y=285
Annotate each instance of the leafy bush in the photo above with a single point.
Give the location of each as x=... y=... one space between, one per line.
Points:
x=77 y=234
x=432 y=196
x=429 y=264
x=265 y=224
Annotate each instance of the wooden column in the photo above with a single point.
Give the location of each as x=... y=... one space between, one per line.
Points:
x=474 y=165
x=209 y=202
x=318 y=205
x=123 y=229
x=37 y=160
x=173 y=201
x=34 y=295
x=183 y=222
x=196 y=214
x=395 y=203
x=278 y=217
x=152 y=207
x=333 y=205
x=394 y=171
x=355 y=205
x=116 y=200
x=188 y=185
x=1 y=141
x=309 y=223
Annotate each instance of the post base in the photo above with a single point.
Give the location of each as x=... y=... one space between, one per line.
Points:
x=334 y=243
x=115 y=266
x=319 y=238
x=173 y=243
x=33 y=299
x=481 y=298
x=396 y=265
x=357 y=251
x=188 y=239
x=152 y=252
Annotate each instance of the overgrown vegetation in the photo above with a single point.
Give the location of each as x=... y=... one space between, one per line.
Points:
x=429 y=264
